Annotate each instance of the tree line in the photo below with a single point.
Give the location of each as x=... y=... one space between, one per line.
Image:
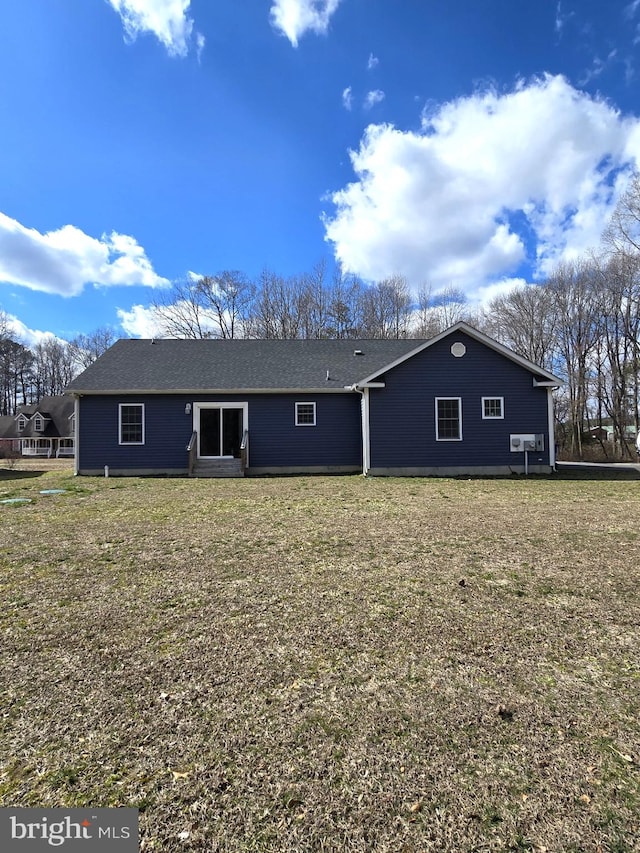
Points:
x=582 y=324
x=29 y=373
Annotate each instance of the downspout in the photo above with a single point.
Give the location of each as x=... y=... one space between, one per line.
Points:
x=76 y=429
x=366 y=434
x=551 y=427
x=364 y=419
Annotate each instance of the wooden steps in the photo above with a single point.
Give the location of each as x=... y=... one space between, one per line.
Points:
x=218 y=468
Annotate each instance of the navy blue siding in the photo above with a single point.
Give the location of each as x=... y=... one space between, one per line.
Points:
x=402 y=415
x=274 y=440
x=167 y=432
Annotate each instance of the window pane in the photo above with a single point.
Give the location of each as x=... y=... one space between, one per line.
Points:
x=493 y=407
x=131 y=424
x=305 y=414
x=449 y=419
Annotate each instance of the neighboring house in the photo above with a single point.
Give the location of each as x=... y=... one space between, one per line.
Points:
x=606 y=432
x=460 y=403
x=9 y=446
x=42 y=429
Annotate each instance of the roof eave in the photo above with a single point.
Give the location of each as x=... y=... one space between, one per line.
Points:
x=92 y=392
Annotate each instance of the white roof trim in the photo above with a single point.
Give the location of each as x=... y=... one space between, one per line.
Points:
x=77 y=392
x=478 y=336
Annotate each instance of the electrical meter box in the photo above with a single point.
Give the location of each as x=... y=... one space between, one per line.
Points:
x=520 y=442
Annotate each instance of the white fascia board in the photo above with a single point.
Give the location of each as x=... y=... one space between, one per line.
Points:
x=111 y=392
x=478 y=336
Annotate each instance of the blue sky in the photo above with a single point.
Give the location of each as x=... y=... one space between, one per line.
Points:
x=460 y=144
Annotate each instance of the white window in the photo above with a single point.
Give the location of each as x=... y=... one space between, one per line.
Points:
x=492 y=407
x=305 y=414
x=22 y=422
x=38 y=423
x=448 y=419
x=131 y=423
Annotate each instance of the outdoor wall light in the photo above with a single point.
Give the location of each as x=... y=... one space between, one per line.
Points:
x=187 y=409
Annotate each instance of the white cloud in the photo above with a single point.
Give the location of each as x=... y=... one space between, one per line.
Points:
x=598 y=66
x=347 y=98
x=20 y=332
x=293 y=18
x=483 y=295
x=488 y=182
x=373 y=98
x=562 y=18
x=167 y=20
x=64 y=261
x=372 y=62
x=631 y=9
x=140 y=322
x=143 y=322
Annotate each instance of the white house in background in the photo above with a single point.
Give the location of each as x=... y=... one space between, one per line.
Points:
x=44 y=429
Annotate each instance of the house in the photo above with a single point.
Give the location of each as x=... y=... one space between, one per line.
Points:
x=459 y=403
x=9 y=446
x=607 y=432
x=46 y=428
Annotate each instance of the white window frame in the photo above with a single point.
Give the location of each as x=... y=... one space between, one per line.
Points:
x=38 y=423
x=459 y=402
x=23 y=420
x=297 y=413
x=485 y=416
x=130 y=443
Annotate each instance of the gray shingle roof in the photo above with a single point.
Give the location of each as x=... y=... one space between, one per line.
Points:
x=56 y=411
x=7 y=426
x=135 y=365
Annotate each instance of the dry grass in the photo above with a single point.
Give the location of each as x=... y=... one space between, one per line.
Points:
x=326 y=664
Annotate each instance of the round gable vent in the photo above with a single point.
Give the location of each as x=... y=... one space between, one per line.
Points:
x=458 y=349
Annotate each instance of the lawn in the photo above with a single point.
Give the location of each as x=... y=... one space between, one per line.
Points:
x=326 y=664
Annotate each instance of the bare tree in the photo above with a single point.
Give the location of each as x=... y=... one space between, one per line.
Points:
x=227 y=297
x=16 y=375
x=572 y=289
x=213 y=306
x=314 y=303
x=617 y=348
x=277 y=308
x=622 y=236
x=387 y=309
x=449 y=307
x=4 y=324
x=53 y=367
x=84 y=349
x=181 y=312
x=524 y=320
x=344 y=315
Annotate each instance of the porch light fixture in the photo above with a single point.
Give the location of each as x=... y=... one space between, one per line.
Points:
x=187 y=409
